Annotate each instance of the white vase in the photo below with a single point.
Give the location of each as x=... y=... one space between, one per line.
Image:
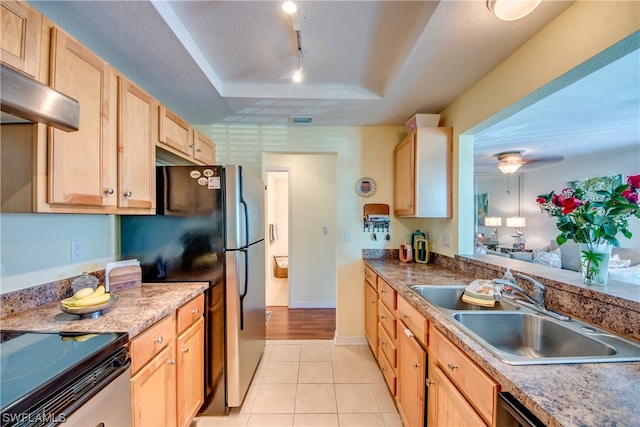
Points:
x=594 y=259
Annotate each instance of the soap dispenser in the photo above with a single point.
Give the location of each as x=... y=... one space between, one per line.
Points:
x=508 y=276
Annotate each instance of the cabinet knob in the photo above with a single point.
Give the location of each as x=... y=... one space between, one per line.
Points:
x=127 y=194
x=191 y=146
x=428 y=382
x=158 y=340
x=409 y=205
x=382 y=316
x=198 y=150
x=405 y=316
x=451 y=366
x=108 y=191
x=382 y=344
x=196 y=311
x=382 y=291
x=185 y=350
x=415 y=365
x=171 y=361
x=373 y=301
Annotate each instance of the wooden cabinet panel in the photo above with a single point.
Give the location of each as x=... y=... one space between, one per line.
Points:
x=404 y=181
x=189 y=313
x=78 y=161
x=149 y=343
x=387 y=346
x=447 y=407
x=20 y=40
x=204 y=150
x=175 y=132
x=371 y=317
x=153 y=393
x=389 y=373
x=411 y=378
x=472 y=382
x=370 y=277
x=136 y=146
x=190 y=376
x=413 y=319
x=422 y=173
x=387 y=319
x=387 y=294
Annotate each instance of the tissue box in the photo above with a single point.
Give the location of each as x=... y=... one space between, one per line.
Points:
x=422 y=120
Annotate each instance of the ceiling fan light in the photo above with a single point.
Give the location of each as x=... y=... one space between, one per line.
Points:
x=512 y=10
x=289 y=7
x=508 y=168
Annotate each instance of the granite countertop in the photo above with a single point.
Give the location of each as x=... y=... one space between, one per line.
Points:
x=135 y=310
x=596 y=394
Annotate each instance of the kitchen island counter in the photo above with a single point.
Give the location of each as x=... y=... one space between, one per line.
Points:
x=135 y=310
x=595 y=394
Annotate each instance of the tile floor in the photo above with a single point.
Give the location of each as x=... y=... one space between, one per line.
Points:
x=277 y=292
x=314 y=383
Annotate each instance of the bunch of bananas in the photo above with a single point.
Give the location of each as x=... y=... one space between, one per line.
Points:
x=86 y=297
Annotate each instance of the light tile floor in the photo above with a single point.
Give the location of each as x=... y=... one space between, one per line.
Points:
x=314 y=383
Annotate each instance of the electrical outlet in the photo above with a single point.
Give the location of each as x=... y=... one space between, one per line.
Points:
x=347 y=236
x=446 y=240
x=76 y=250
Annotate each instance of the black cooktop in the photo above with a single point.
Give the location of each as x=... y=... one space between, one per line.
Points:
x=33 y=365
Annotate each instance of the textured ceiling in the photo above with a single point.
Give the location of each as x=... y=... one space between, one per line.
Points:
x=365 y=63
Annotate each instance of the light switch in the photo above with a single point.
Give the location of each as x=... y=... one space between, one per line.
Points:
x=325 y=230
x=347 y=236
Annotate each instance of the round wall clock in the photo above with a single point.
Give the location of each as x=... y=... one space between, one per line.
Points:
x=365 y=186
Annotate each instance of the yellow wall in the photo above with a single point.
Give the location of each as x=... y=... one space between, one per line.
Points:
x=585 y=29
x=359 y=151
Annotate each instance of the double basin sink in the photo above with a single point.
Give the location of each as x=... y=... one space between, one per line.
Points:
x=520 y=336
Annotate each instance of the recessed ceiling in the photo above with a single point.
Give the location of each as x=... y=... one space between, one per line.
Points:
x=228 y=63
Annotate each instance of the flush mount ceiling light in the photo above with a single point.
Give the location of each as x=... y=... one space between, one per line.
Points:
x=512 y=10
x=289 y=7
x=510 y=162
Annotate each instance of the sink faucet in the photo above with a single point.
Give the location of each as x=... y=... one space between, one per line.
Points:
x=537 y=301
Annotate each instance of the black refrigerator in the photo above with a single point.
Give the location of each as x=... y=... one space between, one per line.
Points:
x=209 y=226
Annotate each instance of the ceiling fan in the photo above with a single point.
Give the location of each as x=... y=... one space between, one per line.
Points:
x=511 y=161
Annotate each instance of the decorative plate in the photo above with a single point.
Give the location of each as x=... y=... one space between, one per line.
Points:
x=366 y=187
x=92 y=309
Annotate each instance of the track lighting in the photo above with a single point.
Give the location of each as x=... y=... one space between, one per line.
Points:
x=289 y=7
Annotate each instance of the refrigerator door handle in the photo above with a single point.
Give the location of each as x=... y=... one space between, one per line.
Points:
x=243 y=293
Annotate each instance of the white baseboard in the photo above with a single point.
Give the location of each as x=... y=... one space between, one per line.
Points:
x=350 y=340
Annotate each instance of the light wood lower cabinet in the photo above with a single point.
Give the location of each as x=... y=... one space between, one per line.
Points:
x=190 y=361
x=167 y=366
x=154 y=399
x=371 y=317
x=412 y=368
x=455 y=379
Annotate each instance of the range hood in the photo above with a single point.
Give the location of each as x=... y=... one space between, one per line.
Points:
x=28 y=99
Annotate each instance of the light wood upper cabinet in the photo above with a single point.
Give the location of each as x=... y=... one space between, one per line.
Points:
x=204 y=149
x=174 y=132
x=422 y=173
x=79 y=161
x=137 y=126
x=20 y=40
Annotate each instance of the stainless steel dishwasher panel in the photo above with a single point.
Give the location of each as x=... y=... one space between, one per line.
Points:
x=110 y=407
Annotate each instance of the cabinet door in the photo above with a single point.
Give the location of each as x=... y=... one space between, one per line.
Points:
x=79 y=161
x=404 y=177
x=20 y=41
x=152 y=392
x=136 y=146
x=447 y=407
x=190 y=372
x=371 y=317
x=204 y=150
x=174 y=132
x=411 y=377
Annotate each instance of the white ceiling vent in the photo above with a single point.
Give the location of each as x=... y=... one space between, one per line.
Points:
x=304 y=120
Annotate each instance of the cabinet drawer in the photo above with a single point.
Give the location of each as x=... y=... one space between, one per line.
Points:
x=388 y=373
x=413 y=319
x=387 y=320
x=477 y=387
x=151 y=342
x=189 y=313
x=387 y=294
x=387 y=346
x=370 y=277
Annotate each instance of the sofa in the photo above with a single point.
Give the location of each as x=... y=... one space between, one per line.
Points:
x=567 y=256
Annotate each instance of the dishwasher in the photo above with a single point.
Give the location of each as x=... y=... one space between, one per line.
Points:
x=512 y=413
x=49 y=379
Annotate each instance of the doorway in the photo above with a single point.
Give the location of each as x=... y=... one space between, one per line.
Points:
x=277 y=217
